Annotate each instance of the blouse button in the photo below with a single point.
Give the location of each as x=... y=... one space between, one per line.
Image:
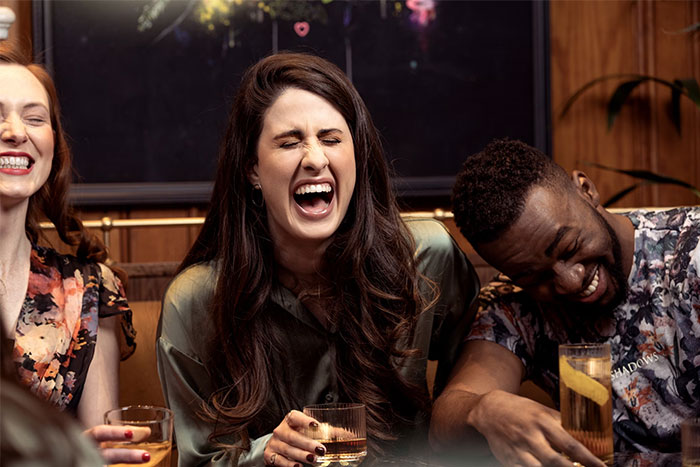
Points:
x=329 y=397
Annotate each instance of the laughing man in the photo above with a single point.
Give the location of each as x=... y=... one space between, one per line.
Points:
x=578 y=273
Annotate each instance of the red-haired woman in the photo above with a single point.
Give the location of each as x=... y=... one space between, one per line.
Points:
x=67 y=315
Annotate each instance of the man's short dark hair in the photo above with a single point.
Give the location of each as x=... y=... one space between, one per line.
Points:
x=490 y=192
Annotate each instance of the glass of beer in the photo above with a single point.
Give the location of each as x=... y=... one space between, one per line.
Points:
x=586 y=396
x=342 y=430
x=156 y=439
x=690 y=442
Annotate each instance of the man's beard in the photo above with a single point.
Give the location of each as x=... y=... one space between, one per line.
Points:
x=615 y=269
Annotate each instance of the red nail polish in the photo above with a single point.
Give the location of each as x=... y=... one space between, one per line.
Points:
x=145 y=457
x=310 y=458
x=320 y=450
x=128 y=434
x=313 y=424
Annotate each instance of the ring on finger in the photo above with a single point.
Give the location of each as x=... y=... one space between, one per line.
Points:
x=273 y=457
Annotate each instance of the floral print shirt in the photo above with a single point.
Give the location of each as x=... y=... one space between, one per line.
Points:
x=654 y=334
x=56 y=329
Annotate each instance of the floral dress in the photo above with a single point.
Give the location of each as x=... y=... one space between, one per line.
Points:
x=56 y=329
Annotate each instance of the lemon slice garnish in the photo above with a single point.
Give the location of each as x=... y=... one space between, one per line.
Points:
x=581 y=383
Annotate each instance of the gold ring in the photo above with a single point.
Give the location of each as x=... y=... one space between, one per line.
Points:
x=272 y=459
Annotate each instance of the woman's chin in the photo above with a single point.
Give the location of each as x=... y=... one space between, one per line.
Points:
x=318 y=231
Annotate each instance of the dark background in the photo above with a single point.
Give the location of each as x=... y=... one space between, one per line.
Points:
x=140 y=110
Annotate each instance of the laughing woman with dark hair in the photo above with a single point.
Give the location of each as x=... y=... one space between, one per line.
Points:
x=305 y=285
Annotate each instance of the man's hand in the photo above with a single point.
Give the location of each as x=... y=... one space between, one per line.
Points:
x=481 y=397
x=523 y=432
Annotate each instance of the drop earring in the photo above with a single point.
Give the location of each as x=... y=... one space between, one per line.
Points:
x=257 y=196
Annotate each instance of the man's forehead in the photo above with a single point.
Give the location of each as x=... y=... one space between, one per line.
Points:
x=546 y=197
x=547 y=210
x=547 y=217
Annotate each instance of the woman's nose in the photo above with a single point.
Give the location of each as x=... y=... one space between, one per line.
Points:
x=568 y=277
x=314 y=158
x=12 y=130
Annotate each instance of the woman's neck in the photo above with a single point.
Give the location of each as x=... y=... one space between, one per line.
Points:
x=15 y=251
x=300 y=270
x=14 y=245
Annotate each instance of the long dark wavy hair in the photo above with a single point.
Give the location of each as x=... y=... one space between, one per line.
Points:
x=51 y=200
x=373 y=286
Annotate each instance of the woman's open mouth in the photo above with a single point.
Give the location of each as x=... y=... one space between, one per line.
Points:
x=16 y=162
x=314 y=198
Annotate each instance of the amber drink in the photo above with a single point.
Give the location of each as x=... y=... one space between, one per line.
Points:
x=342 y=430
x=156 y=440
x=585 y=395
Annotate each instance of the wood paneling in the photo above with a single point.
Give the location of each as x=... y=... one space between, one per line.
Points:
x=21 y=30
x=676 y=56
x=138 y=377
x=150 y=244
x=594 y=38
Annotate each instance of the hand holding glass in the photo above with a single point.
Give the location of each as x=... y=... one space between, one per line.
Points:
x=342 y=430
x=586 y=396
x=153 y=432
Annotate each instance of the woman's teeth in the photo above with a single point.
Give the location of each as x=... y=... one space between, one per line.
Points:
x=12 y=162
x=592 y=286
x=320 y=188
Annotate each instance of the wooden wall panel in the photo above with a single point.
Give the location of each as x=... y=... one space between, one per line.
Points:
x=138 y=375
x=148 y=244
x=589 y=39
x=51 y=238
x=113 y=240
x=21 y=30
x=594 y=38
x=152 y=244
x=676 y=56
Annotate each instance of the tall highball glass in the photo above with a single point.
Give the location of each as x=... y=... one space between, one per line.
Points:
x=585 y=393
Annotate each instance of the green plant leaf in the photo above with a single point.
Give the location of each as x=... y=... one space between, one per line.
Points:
x=588 y=85
x=689 y=88
x=648 y=176
x=692 y=28
x=693 y=90
x=622 y=193
x=676 y=107
x=619 y=97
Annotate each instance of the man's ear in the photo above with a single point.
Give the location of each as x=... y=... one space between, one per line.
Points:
x=585 y=188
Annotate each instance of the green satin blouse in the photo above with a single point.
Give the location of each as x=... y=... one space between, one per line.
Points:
x=181 y=345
